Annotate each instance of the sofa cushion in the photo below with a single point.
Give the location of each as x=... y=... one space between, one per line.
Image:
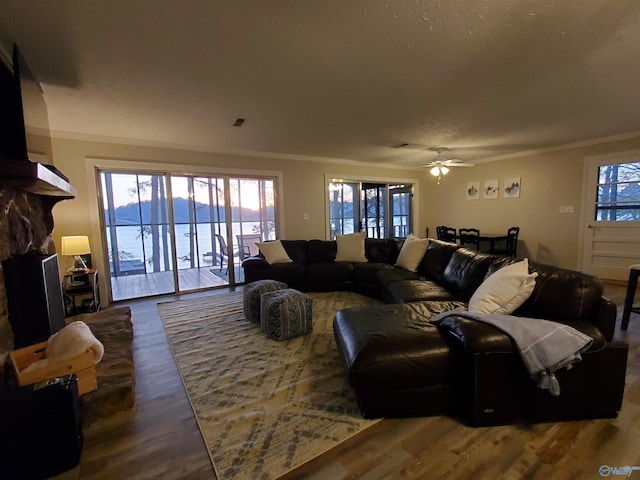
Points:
x=367 y=272
x=290 y=273
x=381 y=250
x=408 y=291
x=505 y=290
x=319 y=251
x=394 y=274
x=274 y=252
x=351 y=247
x=465 y=272
x=436 y=259
x=411 y=253
x=329 y=272
x=296 y=249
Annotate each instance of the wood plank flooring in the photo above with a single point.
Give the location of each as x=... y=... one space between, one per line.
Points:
x=162 y=439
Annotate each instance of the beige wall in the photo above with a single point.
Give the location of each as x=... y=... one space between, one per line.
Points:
x=303 y=184
x=548 y=181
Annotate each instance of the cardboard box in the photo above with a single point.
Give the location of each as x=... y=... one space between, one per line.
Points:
x=81 y=365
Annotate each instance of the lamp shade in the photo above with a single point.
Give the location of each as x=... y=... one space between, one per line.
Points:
x=76 y=245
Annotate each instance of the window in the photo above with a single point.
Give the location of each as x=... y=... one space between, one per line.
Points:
x=618 y=193
x=344 y=208
x=374 y=208
x=380 y=209
x=400 y=210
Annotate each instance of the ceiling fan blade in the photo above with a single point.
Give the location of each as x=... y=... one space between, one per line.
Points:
x=459 y=164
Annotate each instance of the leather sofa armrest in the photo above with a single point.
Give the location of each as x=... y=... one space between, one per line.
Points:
x=475 y=337
x=605 y=318
x=255 y=263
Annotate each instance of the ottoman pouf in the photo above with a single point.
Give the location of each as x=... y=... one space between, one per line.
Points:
x=251 y=297
x=285 y=314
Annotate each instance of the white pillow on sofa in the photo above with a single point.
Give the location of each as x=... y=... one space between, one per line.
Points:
x=274 y=252
x=351 y=247
x=412 y=252
x=505 y=290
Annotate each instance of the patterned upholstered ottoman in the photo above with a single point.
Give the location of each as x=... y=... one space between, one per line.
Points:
x=285 y=314
x=251 y=297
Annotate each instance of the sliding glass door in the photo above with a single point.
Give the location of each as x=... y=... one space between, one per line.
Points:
x=176 y=233
x=379 y=209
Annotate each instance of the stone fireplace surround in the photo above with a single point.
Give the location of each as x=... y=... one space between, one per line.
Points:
x=26 y=223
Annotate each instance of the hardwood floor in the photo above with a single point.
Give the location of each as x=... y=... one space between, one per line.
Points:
x=162 y=439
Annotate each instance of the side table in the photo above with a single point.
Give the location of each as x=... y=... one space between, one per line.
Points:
x=83 y=287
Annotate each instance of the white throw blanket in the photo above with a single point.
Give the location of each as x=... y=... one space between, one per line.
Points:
x=71 y=341
x=544 y=346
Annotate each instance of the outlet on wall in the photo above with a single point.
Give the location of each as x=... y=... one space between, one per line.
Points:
x=567 y=209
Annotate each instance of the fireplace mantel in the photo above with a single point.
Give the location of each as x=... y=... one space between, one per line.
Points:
x=37 y=178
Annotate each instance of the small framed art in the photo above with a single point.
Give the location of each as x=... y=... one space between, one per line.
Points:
x=490 y=189
x=511 y=188
x=473 y=191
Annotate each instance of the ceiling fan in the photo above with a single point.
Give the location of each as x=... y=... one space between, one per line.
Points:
x=440 y=165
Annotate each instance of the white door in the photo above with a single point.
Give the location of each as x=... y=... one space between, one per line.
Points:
x=611 y=215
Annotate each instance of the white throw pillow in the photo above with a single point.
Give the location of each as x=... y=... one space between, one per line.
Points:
x=411 y=253
x=274 y=252
x=351 y=247
x=505 y=290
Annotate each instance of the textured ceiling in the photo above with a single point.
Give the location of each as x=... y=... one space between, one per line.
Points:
x=334 y=78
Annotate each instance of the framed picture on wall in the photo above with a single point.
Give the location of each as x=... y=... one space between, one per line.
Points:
x=473 y=191
x=511 y=187
x=490 y=190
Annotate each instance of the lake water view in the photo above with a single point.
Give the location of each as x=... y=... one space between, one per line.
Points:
x=136 y=255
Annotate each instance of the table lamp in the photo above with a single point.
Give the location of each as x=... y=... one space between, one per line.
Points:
x=76 y=246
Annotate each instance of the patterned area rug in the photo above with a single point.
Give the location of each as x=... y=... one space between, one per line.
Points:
x=264 y=407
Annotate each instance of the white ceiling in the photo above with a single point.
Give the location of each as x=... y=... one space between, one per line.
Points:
x=343 y=79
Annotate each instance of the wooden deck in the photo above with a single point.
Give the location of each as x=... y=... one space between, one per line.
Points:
x=161 y=283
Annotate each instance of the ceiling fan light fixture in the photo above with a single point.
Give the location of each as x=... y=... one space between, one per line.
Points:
x=439 y=170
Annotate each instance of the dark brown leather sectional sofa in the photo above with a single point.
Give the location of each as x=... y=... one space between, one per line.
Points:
x=399 y=364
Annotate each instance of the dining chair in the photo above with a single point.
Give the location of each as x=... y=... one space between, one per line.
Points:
x=469 y=237
x=511 y=244
x=512 y=241
x=446 y=234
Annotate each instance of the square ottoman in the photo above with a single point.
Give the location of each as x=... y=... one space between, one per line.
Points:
x=251 y=297
x=285 y=314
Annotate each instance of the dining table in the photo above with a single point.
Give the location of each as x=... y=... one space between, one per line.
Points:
x=492 y=239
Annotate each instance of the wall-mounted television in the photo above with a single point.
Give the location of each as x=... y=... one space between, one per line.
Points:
x=24 y=120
